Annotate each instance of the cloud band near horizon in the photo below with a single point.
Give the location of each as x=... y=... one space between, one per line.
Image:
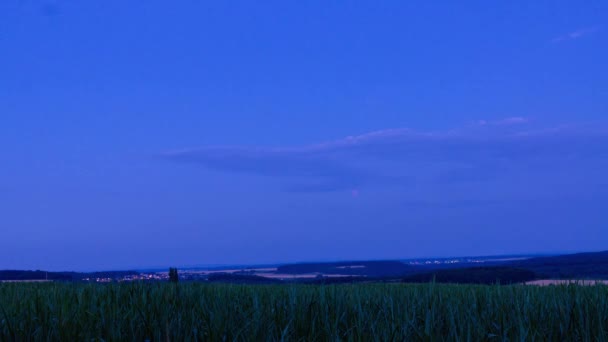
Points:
x=479 y=152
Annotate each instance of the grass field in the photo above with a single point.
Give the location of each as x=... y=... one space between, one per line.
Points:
x=363 y=312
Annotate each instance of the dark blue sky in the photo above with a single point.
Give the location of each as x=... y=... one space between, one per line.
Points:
x=154 y=133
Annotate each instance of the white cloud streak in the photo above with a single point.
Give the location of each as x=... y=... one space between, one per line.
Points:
x=575 y=34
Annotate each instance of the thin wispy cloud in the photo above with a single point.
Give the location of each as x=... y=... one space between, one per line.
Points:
x=516 y=120
x=575 y=34
x=481 y=152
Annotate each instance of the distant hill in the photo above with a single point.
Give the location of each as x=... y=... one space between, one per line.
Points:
x=60 y=276
x=240 y=279
x=35 y=275
x=474 y=275
x=351 y=268
x=569 y=266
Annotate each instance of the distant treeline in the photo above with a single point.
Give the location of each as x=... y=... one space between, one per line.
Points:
x=240 y=279
x=60 y=276
x=475 y=275
x=352 y=268
x=570 y=266
x=574 y=266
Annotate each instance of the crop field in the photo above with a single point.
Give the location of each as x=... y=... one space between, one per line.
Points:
x=361 y=312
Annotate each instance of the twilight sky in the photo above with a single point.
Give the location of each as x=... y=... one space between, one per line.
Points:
x=157 y=133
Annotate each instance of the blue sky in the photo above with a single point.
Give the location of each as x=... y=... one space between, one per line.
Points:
x=155 y=133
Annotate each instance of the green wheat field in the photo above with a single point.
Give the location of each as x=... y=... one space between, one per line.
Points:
x=354 y=312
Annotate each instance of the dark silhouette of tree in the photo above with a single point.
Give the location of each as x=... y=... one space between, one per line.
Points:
x=173 y=276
